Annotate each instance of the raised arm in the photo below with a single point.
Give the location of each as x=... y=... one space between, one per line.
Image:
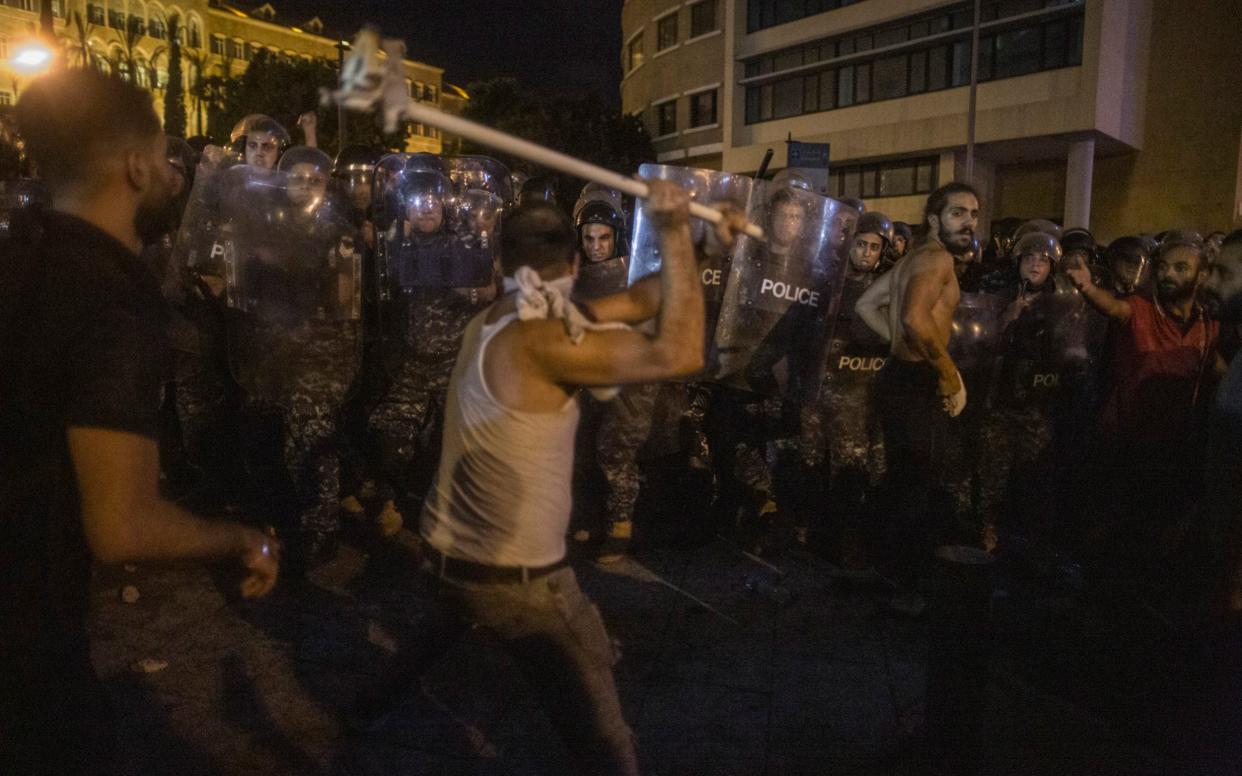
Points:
x=613 y=357
x=125 y=520
x=641 y=301
x=928 y=278
x=1080 y=276
x=873 y=305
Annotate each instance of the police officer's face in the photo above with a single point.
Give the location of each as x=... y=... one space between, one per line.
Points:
x=1177 y=273
x=426 y=214
x=1222 y=289
x=598 y=242
x=844 y=223
x=307 y=185
x=359 y=183
x=1034 y=268
x=787 y=223
x=176 y=176
x=865 y=252
x=262 y=149
x=899 y=244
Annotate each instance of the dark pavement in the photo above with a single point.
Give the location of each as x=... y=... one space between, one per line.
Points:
x=726 y=667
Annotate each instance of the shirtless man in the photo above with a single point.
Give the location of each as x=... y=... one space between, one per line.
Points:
x=919 y=388
x=494 y=523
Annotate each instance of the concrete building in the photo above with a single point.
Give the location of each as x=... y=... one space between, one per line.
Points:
x=1120 y=115
x=217 y=38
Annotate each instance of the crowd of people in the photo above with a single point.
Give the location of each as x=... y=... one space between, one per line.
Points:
x=428 y=345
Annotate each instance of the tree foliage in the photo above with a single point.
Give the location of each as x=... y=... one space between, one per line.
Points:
x=586 y=127
x=174 y=92
x=285 y=89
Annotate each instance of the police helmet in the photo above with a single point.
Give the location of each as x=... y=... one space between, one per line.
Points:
x=1038 y=243
x=355 y=158
x=875 y=222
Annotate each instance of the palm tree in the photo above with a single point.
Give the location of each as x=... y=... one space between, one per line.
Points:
x=126 y=58
x=78 y=41
x=198 y=60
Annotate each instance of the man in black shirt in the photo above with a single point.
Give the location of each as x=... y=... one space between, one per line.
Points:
x=81 y=360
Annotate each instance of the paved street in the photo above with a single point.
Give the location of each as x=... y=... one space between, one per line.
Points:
x=763 y=674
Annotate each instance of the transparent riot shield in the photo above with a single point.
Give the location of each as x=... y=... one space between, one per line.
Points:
x=974 y=338
x=705 y=186
x=17 y=195
x=780 y=297
x=480 y=173
x=1048 y=344
x=428 y=236
x=293 y=267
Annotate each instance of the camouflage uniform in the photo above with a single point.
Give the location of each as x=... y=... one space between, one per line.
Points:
x=405 y=421
x=841 y=445
x=309 y=382
x=635 y=425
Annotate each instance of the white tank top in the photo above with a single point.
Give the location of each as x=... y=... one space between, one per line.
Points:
x=502 y=493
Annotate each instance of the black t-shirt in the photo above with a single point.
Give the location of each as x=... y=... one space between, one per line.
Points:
x=81 y=345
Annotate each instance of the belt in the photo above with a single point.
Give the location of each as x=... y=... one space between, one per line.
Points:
x=469 y=571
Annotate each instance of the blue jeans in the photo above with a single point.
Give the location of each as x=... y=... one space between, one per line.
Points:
x=557 y=638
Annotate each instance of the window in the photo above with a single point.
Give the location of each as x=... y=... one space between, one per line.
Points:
x=4 y=48
x=901 y=178
x=25 y=5
x=237 y=49
x=95 y=14
x=217 y=45
x=703 y=109
x=634 y=53
x=703 y=18
x=157 y=28
x=116 y=19
x=142 y=74
x=761 y=14
x=6 y=98
x=787 y=98
x=196 y=34
x=890 y=77
x=666 y=118
x=1008 y=48
x=138 y=25
x=666 y=32
x=431 y=92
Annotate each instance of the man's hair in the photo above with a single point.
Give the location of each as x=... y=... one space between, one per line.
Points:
x=1196 y=247
x=73 y=119
x=1231 y=239
x=536 y=235
x=938 y=200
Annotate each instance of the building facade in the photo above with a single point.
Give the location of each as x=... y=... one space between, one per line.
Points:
x=217 y=38
x=1091 y=112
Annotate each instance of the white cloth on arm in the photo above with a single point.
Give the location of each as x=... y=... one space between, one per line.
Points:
x=538 y=299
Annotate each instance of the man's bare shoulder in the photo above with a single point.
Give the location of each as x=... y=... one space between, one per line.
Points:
x=930 y=256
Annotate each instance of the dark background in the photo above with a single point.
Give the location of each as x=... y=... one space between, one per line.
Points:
x=553 y=46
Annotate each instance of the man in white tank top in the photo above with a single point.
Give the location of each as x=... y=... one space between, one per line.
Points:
x=494 y=522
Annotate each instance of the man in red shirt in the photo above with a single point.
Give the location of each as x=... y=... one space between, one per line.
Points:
x=1151 y=431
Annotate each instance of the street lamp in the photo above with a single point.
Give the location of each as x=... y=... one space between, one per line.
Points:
x=31 y=58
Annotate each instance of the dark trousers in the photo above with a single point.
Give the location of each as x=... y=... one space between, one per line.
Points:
x=55 y=717
x=916 y=431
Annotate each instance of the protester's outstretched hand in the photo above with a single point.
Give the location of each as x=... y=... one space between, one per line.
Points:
x=723 y=235
x=261 y=560
x=668 y=205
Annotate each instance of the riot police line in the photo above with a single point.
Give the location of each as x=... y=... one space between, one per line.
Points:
x=330 y=290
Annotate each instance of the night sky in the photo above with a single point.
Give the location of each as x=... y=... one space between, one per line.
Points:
x=554 y=46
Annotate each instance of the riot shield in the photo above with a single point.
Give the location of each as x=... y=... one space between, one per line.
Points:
x=480 y=173
x=426 y=236
x=293 y=266
x=705 y=186
x=975 y=333
x=18 y=195
x=1042 y=335
x=780 y=297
